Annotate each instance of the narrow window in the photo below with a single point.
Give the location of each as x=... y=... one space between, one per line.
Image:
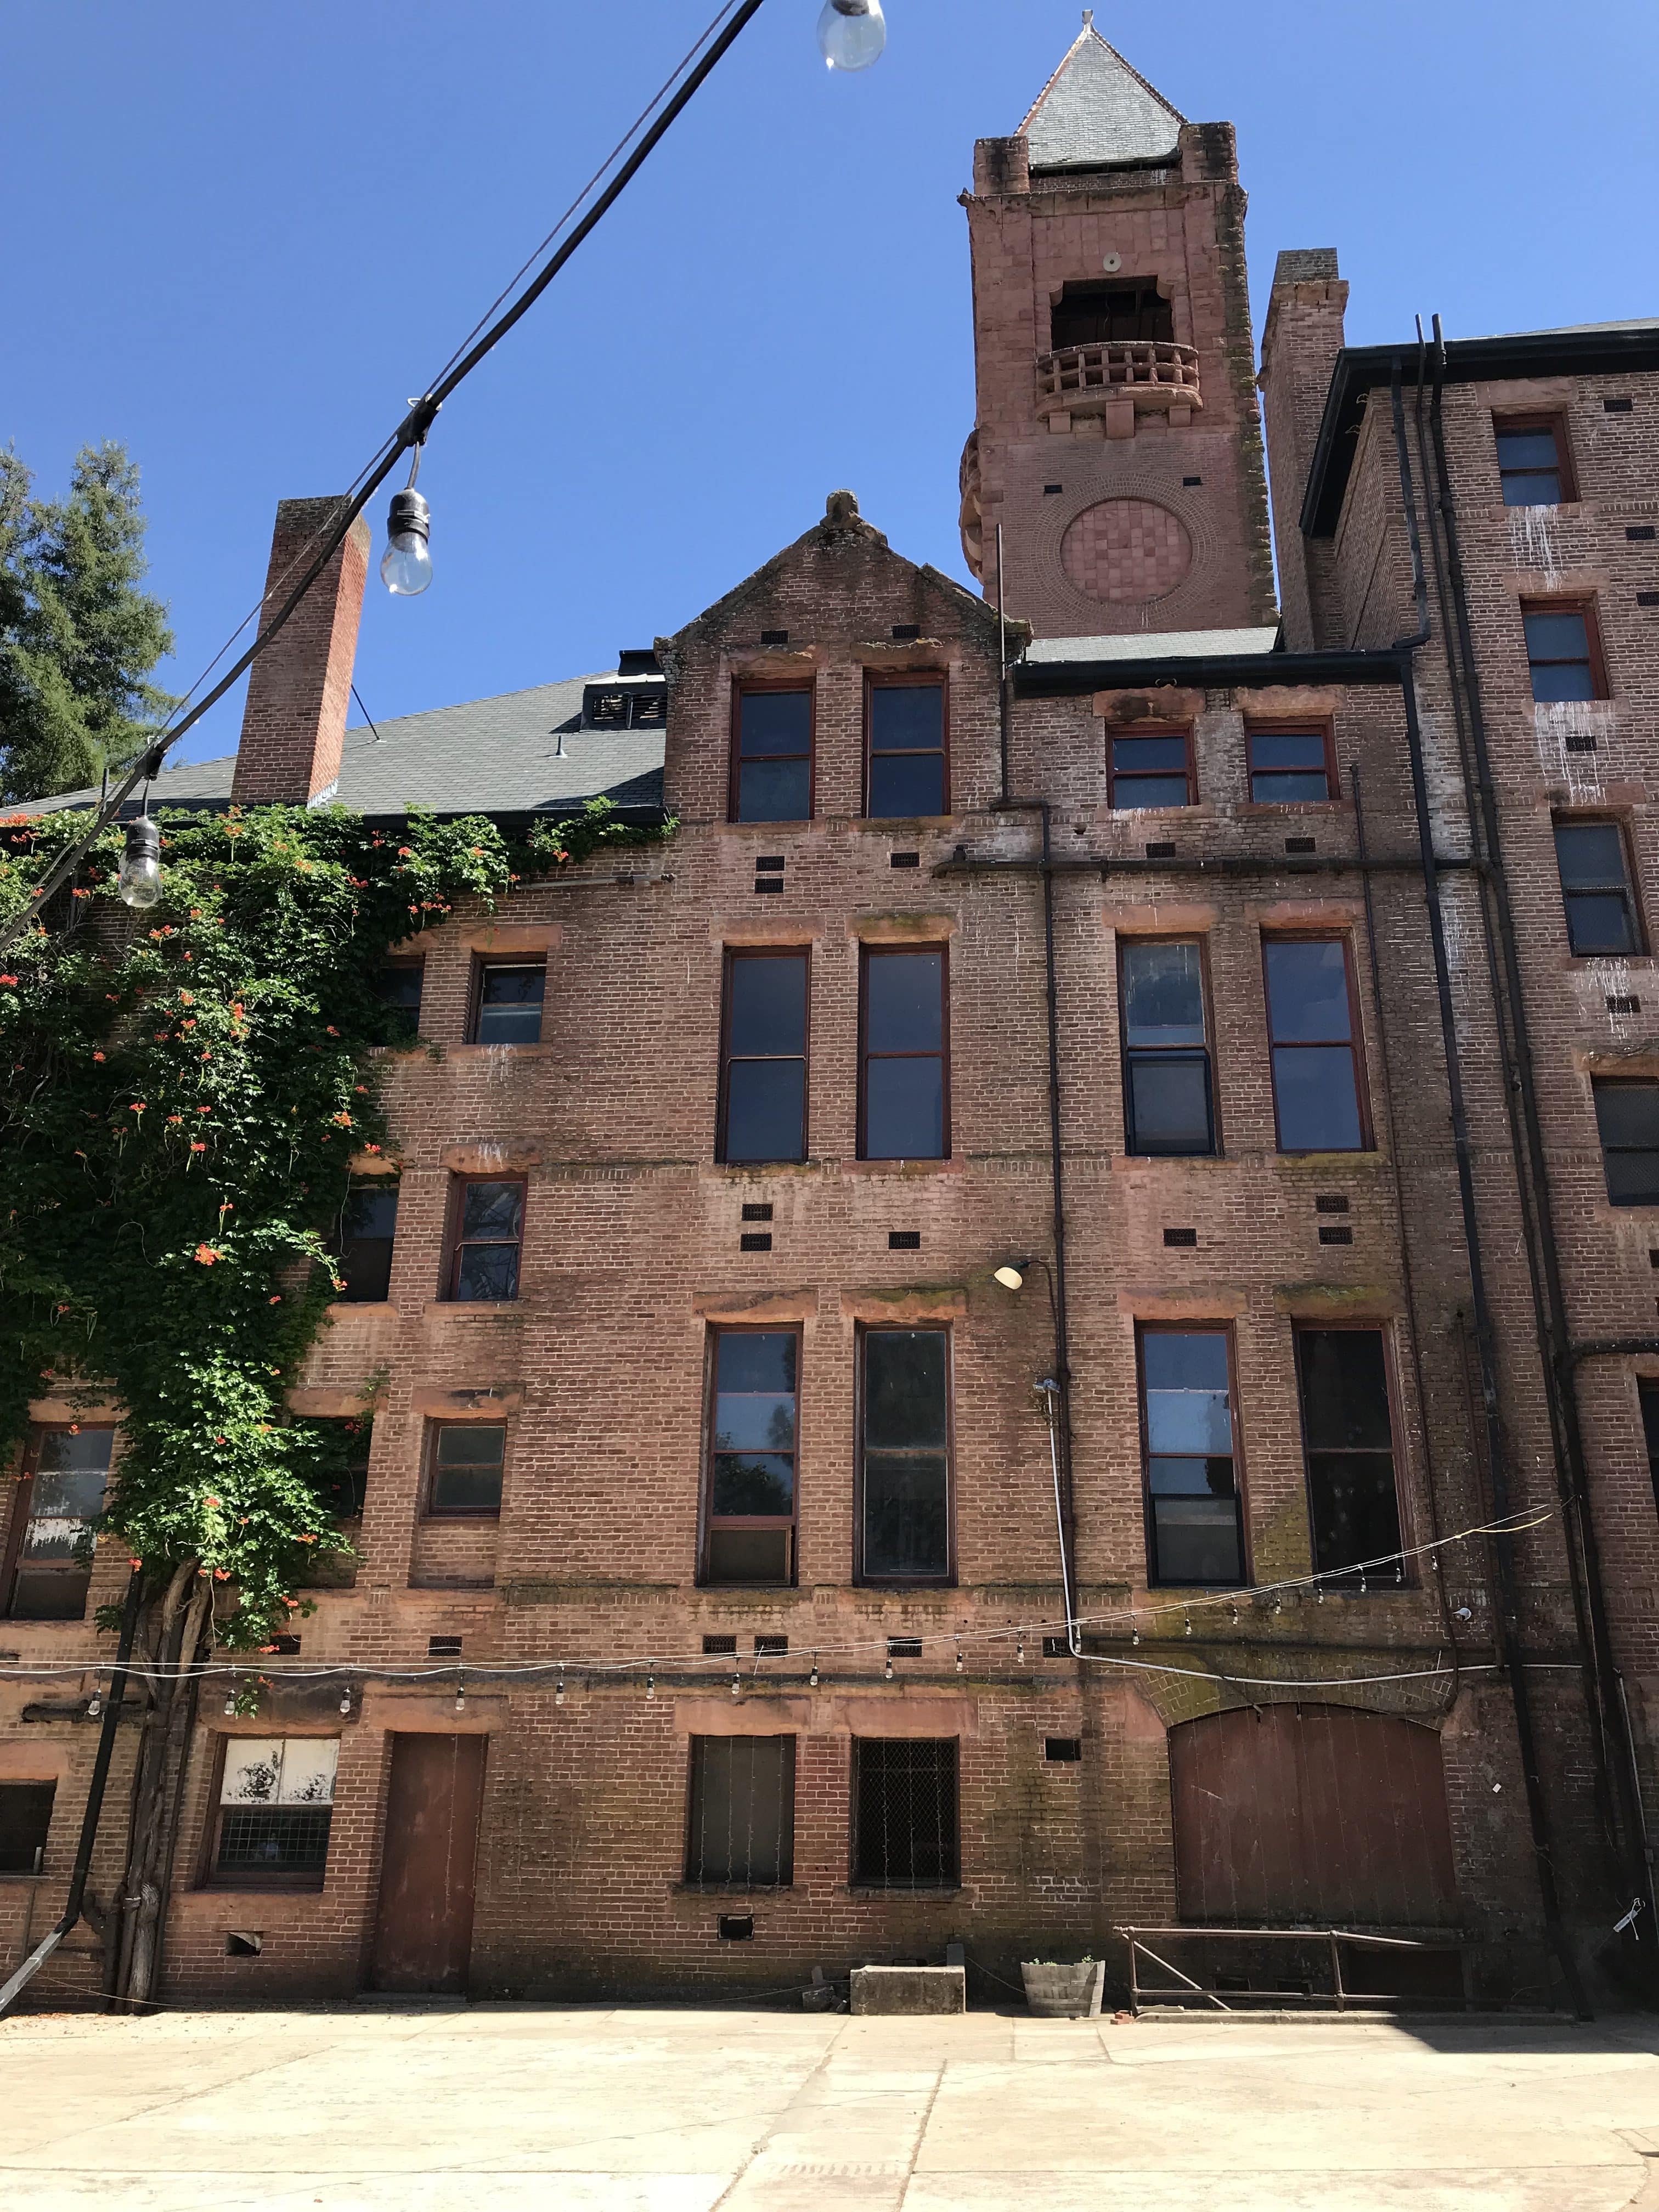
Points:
x=1167 y=1102
x=1595 y=885
x=1287 y=766
x=507 y=1002
x=905 y=1471
x=24 y=1819
x=48 y=1560
x=905 y=1833
x=763 y=1104
x=1627 y=1116
x=1532 y=461
x=369 y=1223
x=467 y=1458
x=751 y=1455
x=741 y=1834
x=906 y=764
x=1647 y=1393
x=489 y=1240
x=772 y=756
x=1311 y=1017
x=1196 y=1530
x=904 y=1092
x=398 y=988
x=1564 y=651
x=1353 y=1497
x=276 y=1807
x=1152 y=769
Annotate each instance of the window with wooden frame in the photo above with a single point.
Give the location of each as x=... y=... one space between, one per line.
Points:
x=1347 y=1439
x=1628 y=1118
x=1596 y=887
x=1168 y=1106
x=1534 y=465
x=1290 y=764
x=368 y=1225
x=1150 y=769
x=741 y=1825
x=466 y=1462
x=906 y=758
x=275 y=1808
x=47 y=1564
x=506 y=1001
x=1564 y=650
x=906 y=1816
x=25 y=1824
x=1647 y=1395
x=1194 y=1512
x=753 y=1399
x=763 y=1049
x=904 y=1054
x=1313 y=1026
x=399 y=987
x=904 y=1509
x=772 y=752
x=489 y=1238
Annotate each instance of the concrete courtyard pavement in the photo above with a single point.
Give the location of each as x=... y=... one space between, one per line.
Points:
x=428 y=2110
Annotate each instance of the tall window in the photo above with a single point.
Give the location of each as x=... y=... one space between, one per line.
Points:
x=506 y=1001
x=772 y=755
x=904 y=1094
x=1647 y=1391
x=1532 y=460
x=398 y=988
x=1627 y=1117
x=1167 y=1103
x=47 y=1564
x=1312 y=1028
x=905 y=1463
x=488 y=1239
x=1348 y=1437
x=464 y=1477
x=1597 y=888
x=1564 y=651
x=906 y=764
x=751 y=1455
x=1152 y=769
x=25 y=1822
x=1289 y=765
x=741 y=1834
x=1195 y=1525
x=763 y=1102
x=368 y=1224
x=905 y=1818
x=276 y=1807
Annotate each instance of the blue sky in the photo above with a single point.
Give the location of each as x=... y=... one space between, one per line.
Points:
x=240 y=237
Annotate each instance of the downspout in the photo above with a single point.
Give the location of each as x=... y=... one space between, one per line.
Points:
x=1507 y=1618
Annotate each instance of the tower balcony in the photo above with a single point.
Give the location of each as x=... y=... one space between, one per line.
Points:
x=1131 y=376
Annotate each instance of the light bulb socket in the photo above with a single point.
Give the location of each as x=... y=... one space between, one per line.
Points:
x=143 y=840
x=851 y=7
x=409 y=516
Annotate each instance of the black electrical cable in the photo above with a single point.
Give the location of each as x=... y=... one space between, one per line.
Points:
x=411 y=432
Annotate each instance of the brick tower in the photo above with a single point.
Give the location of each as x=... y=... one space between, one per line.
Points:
x=1118 y=439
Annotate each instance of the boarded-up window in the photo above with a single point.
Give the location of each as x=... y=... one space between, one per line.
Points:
x=742 y=1832
x=276 y=1807
x=24 y=1819
x=1310 y=1815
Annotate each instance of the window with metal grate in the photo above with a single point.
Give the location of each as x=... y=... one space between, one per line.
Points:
x=904 y=1814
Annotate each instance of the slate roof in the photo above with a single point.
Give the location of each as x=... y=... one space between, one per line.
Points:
x=1096 y=111
x=498 y=756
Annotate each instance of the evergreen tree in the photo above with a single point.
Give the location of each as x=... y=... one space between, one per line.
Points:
x=78 y=638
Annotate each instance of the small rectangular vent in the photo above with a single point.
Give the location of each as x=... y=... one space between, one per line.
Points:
x=1055 y=1647
x=768 y=884
x=904 y=859
x=775 y=637
x=1330 y=1202
x=720 y=1647
x=243 y=1944
x=1181 y=1239
x=1616 y=406
x=1049 y=490
x=904 y=1240
x=1577 y=742
x=754 y=1211
x=771 y=863
x=285 y=1647
x=1622 y=1003
x=1160 y=852
x=1190 y=481
x=754 y=1240
x=1653 y=1257
x=1640 y=529
x=771 y=1647
x=736 y=1926
x=904 y=1647
x=1647 y=599
x=1062 y=1750
x=1336 y=1236
x=443 y=1647
x=1300 y=845
x=905 y=633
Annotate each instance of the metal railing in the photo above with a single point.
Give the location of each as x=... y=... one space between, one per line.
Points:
x=1148 y=371
x=1182 y=1988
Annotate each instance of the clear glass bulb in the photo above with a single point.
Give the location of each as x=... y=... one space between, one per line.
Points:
x=140 y=879
x=406 y=565
x=852 y=33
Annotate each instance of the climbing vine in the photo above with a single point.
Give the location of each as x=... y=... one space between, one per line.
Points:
x=185 y=1091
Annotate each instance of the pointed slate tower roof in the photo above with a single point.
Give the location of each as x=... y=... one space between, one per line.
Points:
x=1095 y=111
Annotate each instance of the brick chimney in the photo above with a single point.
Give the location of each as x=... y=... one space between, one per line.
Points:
x=1300 y=342
x=294 y=723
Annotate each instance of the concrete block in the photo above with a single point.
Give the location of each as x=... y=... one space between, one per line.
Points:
x=909 y=1990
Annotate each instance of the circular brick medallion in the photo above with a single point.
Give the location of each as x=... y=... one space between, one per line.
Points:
x=1126 y=550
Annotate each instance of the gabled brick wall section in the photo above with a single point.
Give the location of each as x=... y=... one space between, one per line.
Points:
x=299 y=689
x=1300 y=342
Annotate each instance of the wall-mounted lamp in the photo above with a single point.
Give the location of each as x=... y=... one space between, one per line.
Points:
x=1012 y=1274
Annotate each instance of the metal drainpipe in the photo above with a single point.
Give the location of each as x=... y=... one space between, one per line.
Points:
x=10 y=1991
x=1562 y=1376
x=1507 y=1618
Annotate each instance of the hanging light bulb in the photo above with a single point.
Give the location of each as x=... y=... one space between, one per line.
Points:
x=852 y=33
x=737 y=1684
x=1134 y=1635
x=406 y=564
x=558 y=1692
x=888 y=1670
x=650 y=1683
x=230 y=1706
x=95 y=1705
x=958 y=1658
x=1019 y=1652
x=460 y=1694
x=140 y=879
x=812 y=1679
x=345 y=1699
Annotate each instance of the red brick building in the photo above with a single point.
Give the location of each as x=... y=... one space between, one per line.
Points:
x=747 y=1580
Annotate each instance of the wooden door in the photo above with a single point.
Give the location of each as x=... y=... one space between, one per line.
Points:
x=423 y=1925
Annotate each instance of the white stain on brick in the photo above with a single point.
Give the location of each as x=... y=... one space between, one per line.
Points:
x=1554 y=723
x=1532 y=541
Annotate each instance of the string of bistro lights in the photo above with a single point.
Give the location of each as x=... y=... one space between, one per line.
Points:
x=852 y=35
x=248 y=1669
